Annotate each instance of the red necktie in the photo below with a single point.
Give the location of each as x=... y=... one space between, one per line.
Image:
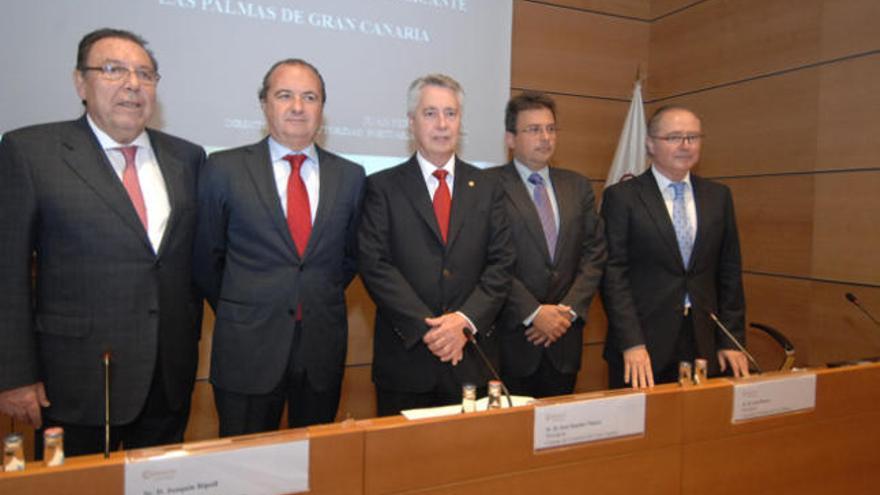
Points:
x=442 y=202
x=132 y=184
x=299 y=214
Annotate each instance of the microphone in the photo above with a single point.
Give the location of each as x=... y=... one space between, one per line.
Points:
x=105 y=362
x=735 y=342
x=473 y=340
x=855 y=300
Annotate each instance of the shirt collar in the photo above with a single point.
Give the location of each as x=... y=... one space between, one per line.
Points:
x=525 y=172
x=107 y=143
x=277 y=151
x=428 y=168
x=663 y=182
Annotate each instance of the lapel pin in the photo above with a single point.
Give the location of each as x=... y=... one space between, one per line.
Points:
x=470 y=183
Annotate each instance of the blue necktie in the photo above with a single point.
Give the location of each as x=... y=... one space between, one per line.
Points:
x=545 y=211
x=681 y=224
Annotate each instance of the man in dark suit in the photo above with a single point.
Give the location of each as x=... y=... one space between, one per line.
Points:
x=673 y=257
x=435 y=256
x=560 y=255
x=275 y=250
x=106 y=208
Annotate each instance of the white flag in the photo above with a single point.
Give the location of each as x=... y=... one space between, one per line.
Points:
x=629 y=159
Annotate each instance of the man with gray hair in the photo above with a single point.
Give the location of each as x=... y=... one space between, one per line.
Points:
x=435 y=256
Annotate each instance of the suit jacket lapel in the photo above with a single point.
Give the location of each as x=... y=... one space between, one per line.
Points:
x=329 y=179
x=528 y=213
x=463 y=199
x=84 y=155
x=700 y=206
x=413 y=186
x=172 y=174
x=650 y=195
x=566 y=202
x=259 y=167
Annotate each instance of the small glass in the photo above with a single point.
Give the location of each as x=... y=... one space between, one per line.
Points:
x=468 y=398
x=494 y=395
x=53 y=446
x=701 y=367
x=685 y=374
x=13 y=453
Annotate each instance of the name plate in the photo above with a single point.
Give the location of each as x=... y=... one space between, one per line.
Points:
x=774 y=396
x=589 y=420
x=265 y=470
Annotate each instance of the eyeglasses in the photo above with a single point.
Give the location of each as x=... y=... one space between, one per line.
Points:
x=679 y=139
x=535 y=130
x=117 y=72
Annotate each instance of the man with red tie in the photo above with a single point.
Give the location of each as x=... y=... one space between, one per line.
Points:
x=435 y=256
x=275 y=249
x=102 y=211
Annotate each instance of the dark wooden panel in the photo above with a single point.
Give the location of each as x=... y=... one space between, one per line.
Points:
x=665 y=7
x=761 y=126
x=838 y=330
x=589 y=131
x=566 y=51
x=640 y=9
x=775 y=218
x=848 y=106
x=720 y=41
x=849 y=26
x=594 y=372
x=846 y=235
x=203 y=423
x=784 y=304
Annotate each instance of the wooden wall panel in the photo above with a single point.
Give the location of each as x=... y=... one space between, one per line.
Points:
x=589 y=130
x=782 y=303
x=775 y=219
x=846 y=237
x=566 y=51
x=594 y=371
x=358 y=394
x=849 y=26
x=815 y=316
x=660 y=8
x=719 y=41
x=361 y=314
x=848 y=107
x=203 y=423
x=766 y=125
x=639 y=9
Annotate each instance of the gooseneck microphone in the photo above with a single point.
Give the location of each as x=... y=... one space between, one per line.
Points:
x=855 y=300
x=735 y=341
x=473 y=340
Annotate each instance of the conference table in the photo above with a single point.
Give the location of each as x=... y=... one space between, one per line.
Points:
x=690 y=444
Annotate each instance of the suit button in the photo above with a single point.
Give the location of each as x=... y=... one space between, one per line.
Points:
x=291 y=312
x=153 y=311
x=157 y=264
x=446 y=273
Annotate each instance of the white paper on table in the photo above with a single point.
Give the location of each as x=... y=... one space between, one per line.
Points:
x=589 y=420
x=763 y=398
x=276 y=468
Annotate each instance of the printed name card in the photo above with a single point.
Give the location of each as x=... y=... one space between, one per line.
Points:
x=775 y=396
x=266 y=470
x=589 y=420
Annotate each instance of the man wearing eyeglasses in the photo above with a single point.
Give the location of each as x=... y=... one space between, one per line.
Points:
x=275 y=250
x=97 y=217
x=673 y=259
x=560 y=255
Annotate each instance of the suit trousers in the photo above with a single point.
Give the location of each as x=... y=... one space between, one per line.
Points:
x=546 y=381
x=157 y=424
x=241 y=414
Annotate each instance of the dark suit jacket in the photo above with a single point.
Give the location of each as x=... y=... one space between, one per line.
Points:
x=646 y=280
x=411 y=275
x=99 y=285
x=570 y=277
x=247 y=264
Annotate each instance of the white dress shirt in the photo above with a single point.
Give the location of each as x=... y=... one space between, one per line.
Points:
x=149 y=176
x=310 y=173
